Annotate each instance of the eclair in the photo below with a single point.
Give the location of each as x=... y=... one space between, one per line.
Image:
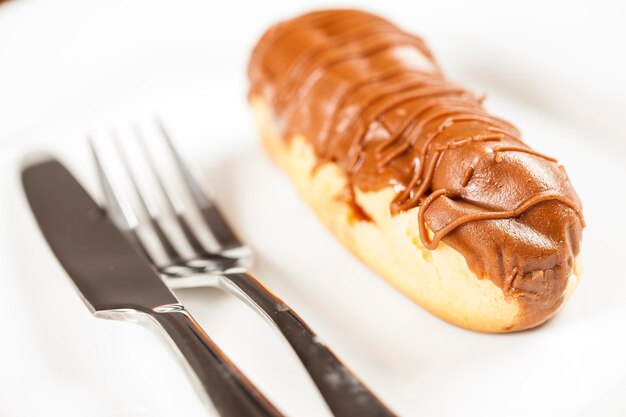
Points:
x=411 y=173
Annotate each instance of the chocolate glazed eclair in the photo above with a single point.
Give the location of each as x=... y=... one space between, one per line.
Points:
x=410 y=172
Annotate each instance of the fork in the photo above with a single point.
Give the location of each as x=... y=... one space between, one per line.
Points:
x=216 y=257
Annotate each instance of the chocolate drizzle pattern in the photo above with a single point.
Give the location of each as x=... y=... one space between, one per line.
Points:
x=371 y=99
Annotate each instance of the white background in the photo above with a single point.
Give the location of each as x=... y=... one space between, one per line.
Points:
x=557 y=69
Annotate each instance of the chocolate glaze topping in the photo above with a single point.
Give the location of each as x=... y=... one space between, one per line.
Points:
x=371 y=99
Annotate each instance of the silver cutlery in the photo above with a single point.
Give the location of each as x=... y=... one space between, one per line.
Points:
x=116 y=282
x=215 y=257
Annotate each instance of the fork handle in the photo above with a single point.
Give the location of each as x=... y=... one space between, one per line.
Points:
x=344 y=393
x=232 y=394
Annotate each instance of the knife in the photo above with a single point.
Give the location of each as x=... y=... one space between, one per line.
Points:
x=116 y=283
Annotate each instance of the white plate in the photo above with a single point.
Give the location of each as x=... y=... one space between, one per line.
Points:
x=69 y=66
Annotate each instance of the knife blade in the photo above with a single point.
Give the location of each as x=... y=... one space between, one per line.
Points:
x=116 y=282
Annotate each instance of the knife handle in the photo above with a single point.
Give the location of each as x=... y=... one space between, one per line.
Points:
x=232 y=394
x=344 y=393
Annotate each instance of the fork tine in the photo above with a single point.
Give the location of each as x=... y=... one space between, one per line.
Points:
x=173 y=255
x=121 y=214
x=211 y=215
x=193 y=241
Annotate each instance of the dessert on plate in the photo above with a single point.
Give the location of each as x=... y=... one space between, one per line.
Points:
x=412 y=174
